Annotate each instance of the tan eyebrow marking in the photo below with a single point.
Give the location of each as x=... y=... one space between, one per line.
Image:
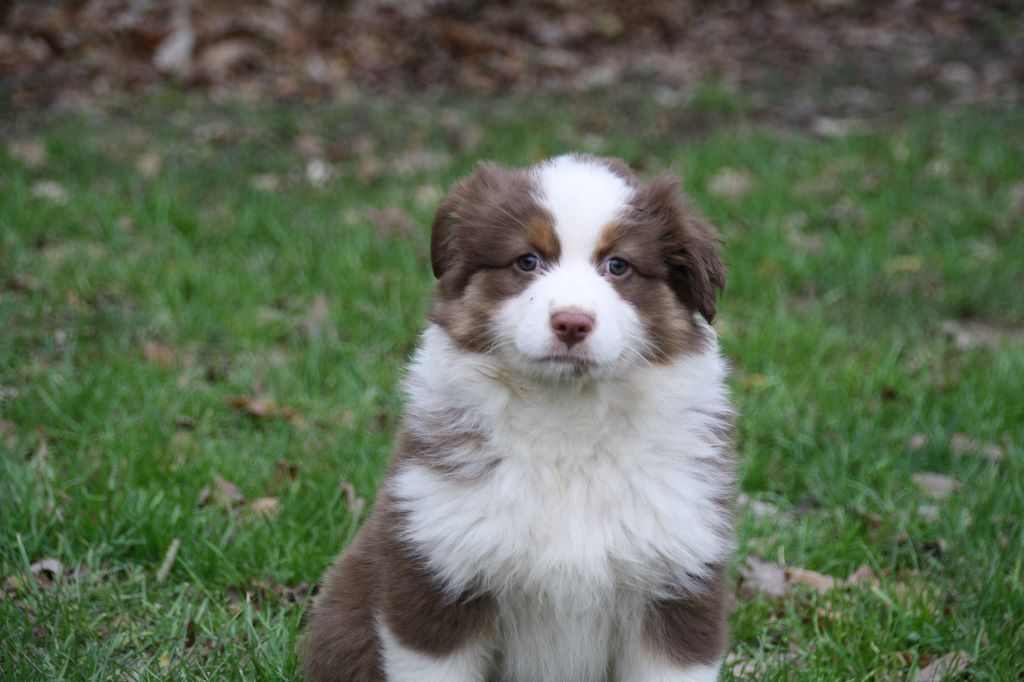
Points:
x=541 y=235
x=609 y=237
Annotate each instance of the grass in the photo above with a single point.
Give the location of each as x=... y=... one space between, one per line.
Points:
x=848 y=259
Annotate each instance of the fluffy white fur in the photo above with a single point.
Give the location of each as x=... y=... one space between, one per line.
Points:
x=586 y=493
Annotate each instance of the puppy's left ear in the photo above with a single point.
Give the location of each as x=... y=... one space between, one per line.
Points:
x=690 y=246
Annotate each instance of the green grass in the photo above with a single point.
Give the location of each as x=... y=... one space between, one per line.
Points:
x=846 y=257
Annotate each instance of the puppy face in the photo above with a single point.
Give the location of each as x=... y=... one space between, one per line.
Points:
x=573 y=268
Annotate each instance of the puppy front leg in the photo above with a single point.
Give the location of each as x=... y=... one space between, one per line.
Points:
x=467 y=663
x=680 y=639
x=427 y=633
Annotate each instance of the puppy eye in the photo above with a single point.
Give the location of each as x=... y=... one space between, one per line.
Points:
x=527 y=262
x=616 y=267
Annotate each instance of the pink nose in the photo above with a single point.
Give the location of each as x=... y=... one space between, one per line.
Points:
x=571 y=328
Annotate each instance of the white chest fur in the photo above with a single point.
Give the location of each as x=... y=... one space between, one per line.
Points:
x=583 y=500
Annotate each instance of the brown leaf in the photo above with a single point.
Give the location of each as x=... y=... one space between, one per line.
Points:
x=730 y=183
x=265 y=182
x=819 y=582
x=149 y=165
x=174 y=53
x=863 y=575
x=264 y=408
x=47 y=571
x=313 y=322
x=393 y=221
x=158 y=353
x=352 y=500
x=220 y=491
x=977 y=334
x=917 y=442
x=936 y=486
x=221 y=59
x=961 y=444
x=264 y=506
x=50 y=190
x=757 y=575
x=943 y=667
x=169 y=558
x=32 y=153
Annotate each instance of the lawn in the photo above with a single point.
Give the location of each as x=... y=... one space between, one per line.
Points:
x=205 y=309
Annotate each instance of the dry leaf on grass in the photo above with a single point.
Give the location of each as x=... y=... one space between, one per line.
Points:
x=32 y=153
x=864 y=575
x=313 y=323
x=169 y=558
x=352 y=500
x=264 y=506
x=961 y=444
x=264 y=408
x=819 y=582
x=50 y=190
x=158 y=353
x=936 y=486
x=968 y=335
x=758 y=575
x=265 y=182
x=221 y=491
x=917 y=442
x=393 y=221
x=319 y=173
x=149 y=165
x=730 y=183
x=943 y=667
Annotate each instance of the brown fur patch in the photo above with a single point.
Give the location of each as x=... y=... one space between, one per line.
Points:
x=378 y=575
x=540 y=233
x=691 y=628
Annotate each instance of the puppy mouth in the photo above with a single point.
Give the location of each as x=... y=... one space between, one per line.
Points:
x=567 y=359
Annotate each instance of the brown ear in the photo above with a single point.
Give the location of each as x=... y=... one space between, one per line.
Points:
x=442 y=236
x=452 y=211
x=690 y=246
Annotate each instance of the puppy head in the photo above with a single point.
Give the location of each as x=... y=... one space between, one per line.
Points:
x=573 y=268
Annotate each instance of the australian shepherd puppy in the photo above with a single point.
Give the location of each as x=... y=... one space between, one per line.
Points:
x=558 y=506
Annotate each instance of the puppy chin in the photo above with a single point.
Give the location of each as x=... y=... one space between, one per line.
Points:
x=561 y=364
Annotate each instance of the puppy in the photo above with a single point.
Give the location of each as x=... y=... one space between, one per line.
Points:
x=558 y=506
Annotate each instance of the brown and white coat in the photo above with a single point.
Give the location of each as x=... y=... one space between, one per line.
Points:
x=558 y=508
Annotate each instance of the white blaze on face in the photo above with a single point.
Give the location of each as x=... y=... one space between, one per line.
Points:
x=582 y=196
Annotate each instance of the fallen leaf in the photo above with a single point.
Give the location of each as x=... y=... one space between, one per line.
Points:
x=220 y=59
x=936 y=486
x=50 y=190
x=32 y=153
x=319 y=173
x=264 y=408
x=730 y=183
x=393 y=221
x=961 y=444
x=757 y=575
x=149 y=165
x=917 y=442
x=977 y=334
x=762 y=509
x=264 y=506
x=313 y=323
x=47 y=571
x=824 y=126
x=819 y=582
x=169 y=558
x=174 y=53
x=928 y=512
x=943 y=667
x=220 y=491
x=903 y=265
x=352 y=500
x=864 y=575
x=265 y=182
x=158 y=353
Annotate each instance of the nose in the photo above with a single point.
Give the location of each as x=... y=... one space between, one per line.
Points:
x=571 y=328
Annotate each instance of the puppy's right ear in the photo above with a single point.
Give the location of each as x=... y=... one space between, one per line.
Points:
x=442 y=236
x=457 y=210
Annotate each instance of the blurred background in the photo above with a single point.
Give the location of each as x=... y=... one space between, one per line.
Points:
x=214 y=226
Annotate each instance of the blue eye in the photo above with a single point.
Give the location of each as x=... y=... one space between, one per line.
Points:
x=527 y=262
x=616 y=267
